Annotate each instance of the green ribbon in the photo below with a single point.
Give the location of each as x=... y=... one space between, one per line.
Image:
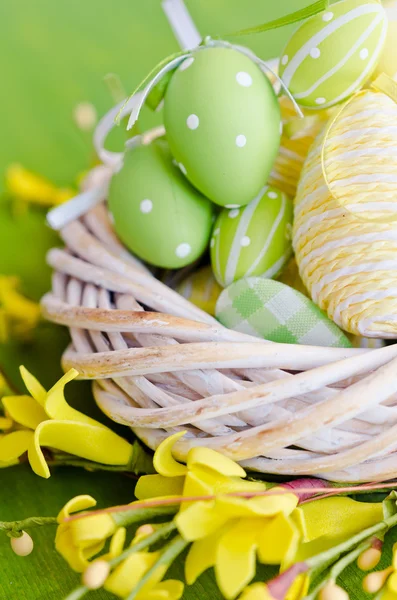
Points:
x=299 y=15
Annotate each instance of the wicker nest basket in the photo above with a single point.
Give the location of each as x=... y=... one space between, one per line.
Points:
x=160 y=364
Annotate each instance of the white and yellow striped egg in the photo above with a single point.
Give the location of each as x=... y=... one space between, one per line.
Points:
x=345 y=227
x=333 y=53
x=202 y=289
x=254 y=239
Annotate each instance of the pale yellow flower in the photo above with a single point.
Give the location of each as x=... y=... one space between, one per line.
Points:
x=18 y=315
x=46 y=419
x=26 y=187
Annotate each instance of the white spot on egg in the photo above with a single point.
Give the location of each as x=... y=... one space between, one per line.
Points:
x=320 y=101
x=233 y=213
x=241 y=140
x=212 y=242
x=245 y=241
x=364 y=53
x=284 y=60
x=244 y=79
x=232 y=206
x=315 y=53
x=183 y=250
x=186 y=63
x=192 y=121
x=272 y=195
x=182 y=168
x=217 y=231
x=146 y=206
x=328 y=16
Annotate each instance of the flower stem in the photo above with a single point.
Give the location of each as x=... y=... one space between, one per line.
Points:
x=171 y=551
x=15 y=528
x=316 y=561
x=140 y=515
x=340 y=566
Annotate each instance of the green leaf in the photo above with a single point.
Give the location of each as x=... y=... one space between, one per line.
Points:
x=390 y=505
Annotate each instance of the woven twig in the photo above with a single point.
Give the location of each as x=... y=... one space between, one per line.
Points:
x=161 y=364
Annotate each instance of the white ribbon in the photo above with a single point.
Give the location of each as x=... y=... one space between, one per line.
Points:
x=181 y=24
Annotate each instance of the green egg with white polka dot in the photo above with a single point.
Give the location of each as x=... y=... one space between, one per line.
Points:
x=223 y=124
x=254 y=239
x=332 y=54
x=158 y=215
x=274 y=311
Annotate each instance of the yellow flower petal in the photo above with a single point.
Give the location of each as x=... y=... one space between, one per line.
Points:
x=265 y=506
x=117 y=542
x=202 y=481
x=201 y=556
x=74 y=505
x=29 y=187
x=206 y=457
x=163 y=461
x=256 y=591
x=339 y=516
x=153 y=486
x=5 y=423
x=278 y=540
x=171 y=589
x=236 y=557
x=58 y=409
x=394 y=561
x=98 y=444
x=128 y=573
x=14 y=444
x=33 y=386
x=24 y=410
x=392 y=582
x=64 y=544
x=91 y=529
x=198 y=520
x=299 y=588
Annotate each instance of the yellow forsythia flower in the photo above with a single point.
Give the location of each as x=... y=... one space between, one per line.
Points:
x=78 y=541
x=18 y=315
x=127 y=575
x=256 y=591
x=228 y=532
x=46 y=419
x=27 y=187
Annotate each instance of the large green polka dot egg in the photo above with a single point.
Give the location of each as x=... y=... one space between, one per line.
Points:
x=333 y=53
x=157 y=213
x=223 y=124
x=254 y=239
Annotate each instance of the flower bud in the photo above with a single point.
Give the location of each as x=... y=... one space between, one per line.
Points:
x=369 y=559
x=373 y=582
x=144 y=530
x=333 y=592
x=96 y=574
x=23 y=545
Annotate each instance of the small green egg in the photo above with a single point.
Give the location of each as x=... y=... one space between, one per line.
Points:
x=223 y=124
x=254 y=239
x=158 y=215
x=274 y=311
x=332 y=54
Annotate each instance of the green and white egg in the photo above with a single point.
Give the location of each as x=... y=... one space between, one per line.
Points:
x=274 y=311
x=388 y=59
x=254 y=239
x=223 y=124
x=158 y=215
x=333 y=53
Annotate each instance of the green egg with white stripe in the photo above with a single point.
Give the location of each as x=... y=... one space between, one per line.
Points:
x=274 y=311
x=223 y=124
x=332 y=54
x=254 y=239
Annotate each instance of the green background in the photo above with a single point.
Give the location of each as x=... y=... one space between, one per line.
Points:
x=55 y=54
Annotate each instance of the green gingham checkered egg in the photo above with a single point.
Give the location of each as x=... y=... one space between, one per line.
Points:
x=157 y=213
x=274 y=311
x=254 y=239
x=223 y=124
x=333 y=53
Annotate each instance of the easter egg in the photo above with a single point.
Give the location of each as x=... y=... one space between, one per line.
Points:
x=271 y=310
x=158 y=215
x=333 y=53
x=254 y=239
x=344 y=231
x=388 y=59
x=202 y=289
x=223 y=124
